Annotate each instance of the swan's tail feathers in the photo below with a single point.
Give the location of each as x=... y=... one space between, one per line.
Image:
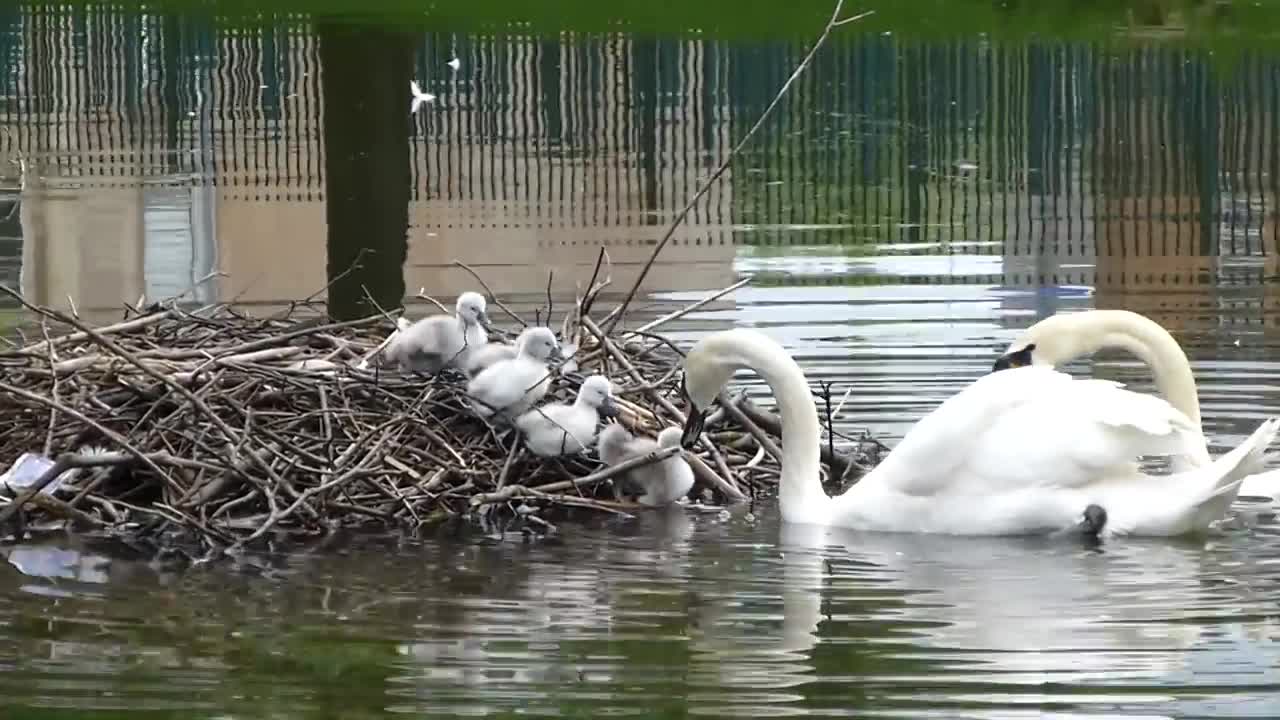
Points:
x=1247 y=458
x=1263 y=484
x=1230 y=471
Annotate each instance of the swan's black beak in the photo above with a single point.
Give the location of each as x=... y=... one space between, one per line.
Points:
x=484 y=321
x=608 y=409
x=692 y=428
x=693 y=424
x=557 y=354
x=1016 y=359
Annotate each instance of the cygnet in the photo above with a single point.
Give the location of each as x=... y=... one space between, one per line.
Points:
x=662 y=482
x=564 y=429
x=439 y=341
x=498 y=351
x=509 y=387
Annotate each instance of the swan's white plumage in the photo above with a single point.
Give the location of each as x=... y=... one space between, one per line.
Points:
x=1063 y=337
x=1016 y=452
x=567 y=429
x=510 y=387
x=1263 y=485
x=661 y=483
x=438 y=341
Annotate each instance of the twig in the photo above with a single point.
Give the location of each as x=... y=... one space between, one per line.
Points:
x=724 y=164
x=609 y=472
x=648 y=327
x=492 y=296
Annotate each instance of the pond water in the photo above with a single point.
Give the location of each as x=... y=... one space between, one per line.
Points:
x=919 y=197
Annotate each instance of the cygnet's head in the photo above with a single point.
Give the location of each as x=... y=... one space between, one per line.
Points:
x=471 y=309
x=596 y=392
x=670 y=437
x=539 y=343
x=612 y=441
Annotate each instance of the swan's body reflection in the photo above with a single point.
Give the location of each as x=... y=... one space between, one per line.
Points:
x=1044 y=610
x=900 y=611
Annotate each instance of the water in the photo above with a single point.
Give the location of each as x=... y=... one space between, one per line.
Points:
x=936 y=181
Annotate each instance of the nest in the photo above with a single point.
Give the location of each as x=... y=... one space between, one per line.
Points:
x=223 y=429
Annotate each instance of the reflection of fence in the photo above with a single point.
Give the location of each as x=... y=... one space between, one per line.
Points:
x=549 y=144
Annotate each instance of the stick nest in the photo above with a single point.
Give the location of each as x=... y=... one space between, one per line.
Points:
x=219 y=428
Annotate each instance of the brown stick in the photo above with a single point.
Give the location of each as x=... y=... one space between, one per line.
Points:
x=609 y=472
x=106 y=431
x=120 y=327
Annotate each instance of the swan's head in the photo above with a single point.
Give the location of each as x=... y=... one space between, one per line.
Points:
x=709 y=365
x=597 y=393
x=470 y=308
x=539 y=343
x=1058 y=339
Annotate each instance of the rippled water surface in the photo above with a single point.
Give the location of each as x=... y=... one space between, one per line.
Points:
x=670 y=615
x=686 y=612
x=916 y=200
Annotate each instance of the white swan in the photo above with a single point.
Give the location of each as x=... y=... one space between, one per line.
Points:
x=1028 y=450
x=1059 y=339
x=663 y=482
x=563 y=429
x=435 y=342
x=509 y=387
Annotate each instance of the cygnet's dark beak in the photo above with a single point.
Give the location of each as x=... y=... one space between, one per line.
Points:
x=692 y=428
x=485 y=322
x=556 y=353
x=608 y=409
x=1017 y=359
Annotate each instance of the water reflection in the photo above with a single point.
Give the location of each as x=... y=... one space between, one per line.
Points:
x=674 y=614
x=193 y=147
x=914 y=205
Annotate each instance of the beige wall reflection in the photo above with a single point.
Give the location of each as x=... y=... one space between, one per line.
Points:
x=99 y=247
x=275 y=251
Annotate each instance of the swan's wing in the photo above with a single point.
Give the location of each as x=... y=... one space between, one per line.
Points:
x=1035 y=427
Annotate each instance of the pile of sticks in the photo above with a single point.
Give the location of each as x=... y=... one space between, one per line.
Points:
x=224 y=429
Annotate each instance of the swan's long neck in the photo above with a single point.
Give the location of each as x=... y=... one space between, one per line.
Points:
x=800 y=492
x=1154 y=345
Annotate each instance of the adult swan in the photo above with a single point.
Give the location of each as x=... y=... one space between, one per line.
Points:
x=1027 y=451
x=1061 y=338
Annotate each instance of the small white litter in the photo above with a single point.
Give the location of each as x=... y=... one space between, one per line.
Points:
x=27 y=469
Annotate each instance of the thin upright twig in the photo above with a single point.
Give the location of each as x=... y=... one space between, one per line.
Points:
x=832 y=24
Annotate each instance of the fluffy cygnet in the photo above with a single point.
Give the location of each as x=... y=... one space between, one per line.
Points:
x=438 y=341
x=509 y=387
x=564 y=429
x=491 y=353
x=498 y=351
x=662 y=482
